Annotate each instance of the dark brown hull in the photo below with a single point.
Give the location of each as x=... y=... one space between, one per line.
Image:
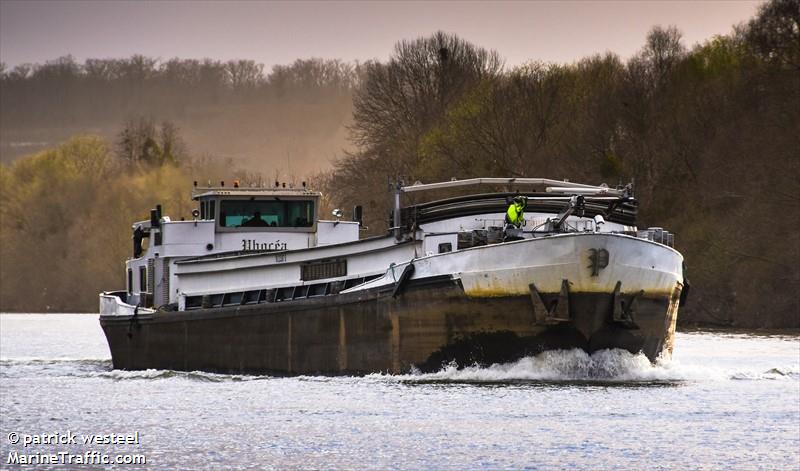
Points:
x=431 y=323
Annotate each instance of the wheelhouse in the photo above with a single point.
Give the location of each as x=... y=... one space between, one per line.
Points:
x=278 y=210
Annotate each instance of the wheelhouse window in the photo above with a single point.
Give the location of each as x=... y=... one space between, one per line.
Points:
x=207 y=209
x=272 y=213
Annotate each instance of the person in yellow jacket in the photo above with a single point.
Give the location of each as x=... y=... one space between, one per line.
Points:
x=515 y=219
x=515 y=214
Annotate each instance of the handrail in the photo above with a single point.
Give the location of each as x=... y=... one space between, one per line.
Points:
x=556 y=185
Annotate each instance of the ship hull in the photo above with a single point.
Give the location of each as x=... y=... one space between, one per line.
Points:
x=431 y=322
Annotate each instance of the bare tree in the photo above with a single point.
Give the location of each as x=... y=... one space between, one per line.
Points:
x=243 y=75
x=775 y=32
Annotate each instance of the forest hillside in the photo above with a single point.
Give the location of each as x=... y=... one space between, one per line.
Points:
x=290 y=120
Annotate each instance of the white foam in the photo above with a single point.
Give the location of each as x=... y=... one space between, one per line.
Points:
x=601 y=366
x=151 y=374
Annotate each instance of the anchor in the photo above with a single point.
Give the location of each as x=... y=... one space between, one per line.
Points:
x=624 y=310
x=557 y=313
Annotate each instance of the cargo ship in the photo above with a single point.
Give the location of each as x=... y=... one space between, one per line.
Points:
x=257 y=283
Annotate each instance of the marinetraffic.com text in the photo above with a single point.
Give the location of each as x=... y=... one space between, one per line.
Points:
x=61 y=448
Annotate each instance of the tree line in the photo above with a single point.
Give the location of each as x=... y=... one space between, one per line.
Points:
x=63 y=90
x=709 y=135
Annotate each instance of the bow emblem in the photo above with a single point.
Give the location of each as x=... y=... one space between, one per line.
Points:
x=598 y=259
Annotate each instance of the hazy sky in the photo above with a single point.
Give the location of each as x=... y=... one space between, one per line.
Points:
x=280 y=32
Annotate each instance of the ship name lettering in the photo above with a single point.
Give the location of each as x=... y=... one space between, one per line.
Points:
x=252 y=244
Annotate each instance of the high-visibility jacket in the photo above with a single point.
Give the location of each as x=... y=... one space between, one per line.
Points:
x=515 y=215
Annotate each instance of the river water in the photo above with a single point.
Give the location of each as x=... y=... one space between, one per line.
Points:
x=723 y=401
